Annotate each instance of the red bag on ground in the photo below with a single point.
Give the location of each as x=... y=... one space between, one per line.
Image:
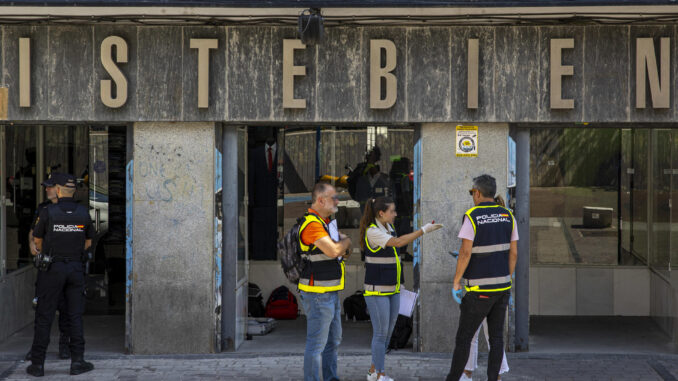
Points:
x=282 y=304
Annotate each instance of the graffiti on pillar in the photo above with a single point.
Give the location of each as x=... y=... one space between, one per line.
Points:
x=169 y=174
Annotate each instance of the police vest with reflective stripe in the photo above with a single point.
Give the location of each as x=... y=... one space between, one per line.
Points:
x=488 y=269
x=382 y=268
x=66 y=229
x=320 y=273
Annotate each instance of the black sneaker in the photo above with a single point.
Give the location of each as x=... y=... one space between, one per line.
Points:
x=36 y=370
x=28 y=356
x=80 y=367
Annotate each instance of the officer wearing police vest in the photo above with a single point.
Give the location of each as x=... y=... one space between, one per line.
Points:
x=487 y=259
x=62 y=233
x=322 y=277
x=383 y=274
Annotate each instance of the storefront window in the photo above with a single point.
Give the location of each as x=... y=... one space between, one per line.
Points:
x=604 y=197
x=361 y=162
x=21 y=192
x=574 y=196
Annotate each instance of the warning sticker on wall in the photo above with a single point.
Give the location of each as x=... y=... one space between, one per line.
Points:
x=467 y=141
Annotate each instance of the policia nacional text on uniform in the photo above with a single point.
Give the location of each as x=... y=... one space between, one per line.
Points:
x=62 y=233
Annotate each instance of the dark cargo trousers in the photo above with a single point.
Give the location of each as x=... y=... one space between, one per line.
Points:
x=67 y=278
x=476 y=306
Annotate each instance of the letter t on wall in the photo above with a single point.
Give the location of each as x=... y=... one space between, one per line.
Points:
x=24 y=72
x=204 y=45
x=558 y=70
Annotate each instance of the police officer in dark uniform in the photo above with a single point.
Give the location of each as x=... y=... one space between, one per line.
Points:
x=50 y=193
x=63 y=231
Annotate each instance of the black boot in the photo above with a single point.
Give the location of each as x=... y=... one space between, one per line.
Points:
x=36 y=370
x=80 y=366
x=64 y=350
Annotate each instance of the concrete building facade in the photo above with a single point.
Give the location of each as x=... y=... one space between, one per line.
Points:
x=184 y=97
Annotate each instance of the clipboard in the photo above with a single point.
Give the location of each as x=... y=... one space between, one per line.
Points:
x=408 y=300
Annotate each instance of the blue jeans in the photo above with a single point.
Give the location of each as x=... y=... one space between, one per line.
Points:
x=383 y=314
x=323 y=335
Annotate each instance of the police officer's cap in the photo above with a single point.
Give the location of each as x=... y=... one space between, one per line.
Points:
x=63 y=179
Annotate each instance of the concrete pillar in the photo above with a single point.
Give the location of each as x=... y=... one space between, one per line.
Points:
x=173 y=272
x=445 y=182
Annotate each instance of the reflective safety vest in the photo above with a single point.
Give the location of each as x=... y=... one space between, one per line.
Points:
x=66 y=227
x=320 y=273
x=382 y=269
x=488 y=270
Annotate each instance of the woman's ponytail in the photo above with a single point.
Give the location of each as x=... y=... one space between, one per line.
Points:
x=499 y=200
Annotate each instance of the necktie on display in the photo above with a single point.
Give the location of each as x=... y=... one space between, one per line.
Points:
x=270 y=159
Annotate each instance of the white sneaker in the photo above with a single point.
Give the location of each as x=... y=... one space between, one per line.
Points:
x=384 y=378
x=372 y=376
x=464 y=377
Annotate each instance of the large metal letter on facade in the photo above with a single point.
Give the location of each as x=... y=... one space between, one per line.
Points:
x=646 y=60
x=289 y=72
x=113 y=70
x=204 y=45
x=558 y=70
x=472 y=74
x=24 y=72
x=377 y=72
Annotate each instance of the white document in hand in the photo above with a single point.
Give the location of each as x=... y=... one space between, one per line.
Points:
x=334 y=234
x=408 y=300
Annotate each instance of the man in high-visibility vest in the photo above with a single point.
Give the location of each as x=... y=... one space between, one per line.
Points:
x=487 y=259
x=322 y=277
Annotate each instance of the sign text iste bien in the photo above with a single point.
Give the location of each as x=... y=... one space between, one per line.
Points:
x=383 y=61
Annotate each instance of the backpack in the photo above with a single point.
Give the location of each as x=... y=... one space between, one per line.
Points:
x=255 y=301
x=355 y=307
x=282 y=304
x=289 y=253
x=401 y=332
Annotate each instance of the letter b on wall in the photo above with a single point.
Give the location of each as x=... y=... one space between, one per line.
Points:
x=377 y=72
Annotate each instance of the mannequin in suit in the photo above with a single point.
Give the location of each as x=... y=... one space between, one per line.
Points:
x=263 y=191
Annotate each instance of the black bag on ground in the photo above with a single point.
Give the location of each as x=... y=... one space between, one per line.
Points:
x=355 y=307
x=401 y=332
x=255 y=301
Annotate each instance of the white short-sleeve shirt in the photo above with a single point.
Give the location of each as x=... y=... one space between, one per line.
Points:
x=378 y=236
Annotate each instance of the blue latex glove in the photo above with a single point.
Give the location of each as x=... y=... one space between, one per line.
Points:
x=457 y=295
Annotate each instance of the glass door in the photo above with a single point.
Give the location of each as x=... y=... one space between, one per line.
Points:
x=662 y=191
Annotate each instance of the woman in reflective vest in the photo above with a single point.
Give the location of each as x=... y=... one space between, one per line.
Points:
x=383 y=274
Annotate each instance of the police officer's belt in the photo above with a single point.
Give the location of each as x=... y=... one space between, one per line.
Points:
x=486 y=281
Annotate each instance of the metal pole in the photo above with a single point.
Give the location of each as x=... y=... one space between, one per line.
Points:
x=522 y=275
x=229 y=265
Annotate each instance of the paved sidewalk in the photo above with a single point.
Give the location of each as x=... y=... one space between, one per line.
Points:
x=401 y=366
